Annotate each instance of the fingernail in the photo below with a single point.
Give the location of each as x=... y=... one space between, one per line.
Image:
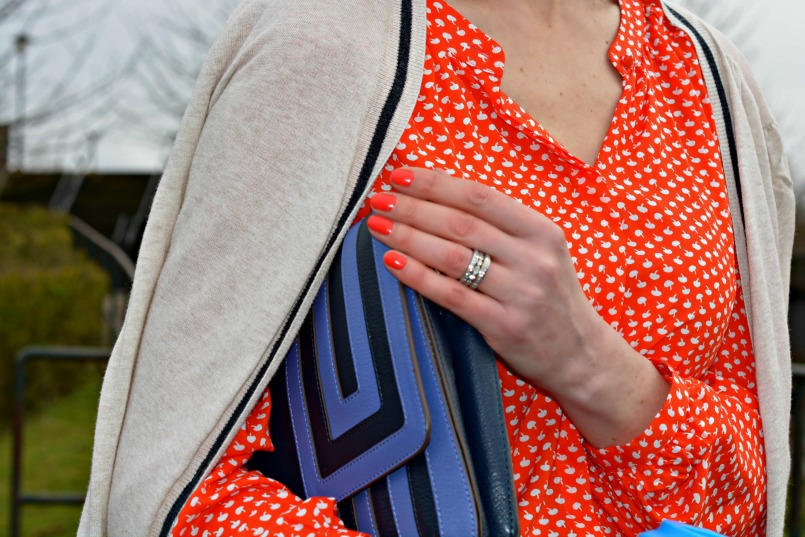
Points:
x=402 y=177
x=395 y=260
x=383 y=202
x=380 y=224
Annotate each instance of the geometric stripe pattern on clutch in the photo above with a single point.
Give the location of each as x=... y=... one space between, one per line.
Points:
x=392 y=406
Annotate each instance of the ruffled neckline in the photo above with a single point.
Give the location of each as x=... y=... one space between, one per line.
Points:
x=480 y=61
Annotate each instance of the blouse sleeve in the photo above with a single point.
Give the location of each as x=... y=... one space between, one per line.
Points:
x=701 y=460
x=237 y=502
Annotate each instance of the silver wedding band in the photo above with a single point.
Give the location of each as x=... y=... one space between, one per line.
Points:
x=476 y=270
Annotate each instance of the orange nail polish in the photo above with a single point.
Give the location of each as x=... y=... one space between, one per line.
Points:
x=380 y=224
x=383 y=202
x=402 y=177
x=395 y=260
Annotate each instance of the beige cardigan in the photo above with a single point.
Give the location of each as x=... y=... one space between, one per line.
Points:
x=297 y=108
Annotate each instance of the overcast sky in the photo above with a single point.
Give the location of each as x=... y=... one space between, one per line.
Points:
x=771 y=31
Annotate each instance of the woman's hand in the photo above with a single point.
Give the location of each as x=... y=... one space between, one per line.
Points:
x=529 y=307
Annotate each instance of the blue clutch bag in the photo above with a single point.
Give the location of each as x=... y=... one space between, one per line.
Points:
x=392 y=406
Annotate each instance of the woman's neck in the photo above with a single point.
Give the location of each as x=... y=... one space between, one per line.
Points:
x=557 y=64
x=500 y=18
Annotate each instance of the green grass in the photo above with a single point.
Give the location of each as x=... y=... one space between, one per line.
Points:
x=57 y=450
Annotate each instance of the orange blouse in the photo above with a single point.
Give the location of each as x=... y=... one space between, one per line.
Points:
x=649 y=229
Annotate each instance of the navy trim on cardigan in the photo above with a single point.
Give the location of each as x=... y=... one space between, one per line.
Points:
x=364 y=178
x=722 y=97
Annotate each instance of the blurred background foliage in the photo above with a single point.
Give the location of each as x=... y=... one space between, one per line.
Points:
x=50 y=293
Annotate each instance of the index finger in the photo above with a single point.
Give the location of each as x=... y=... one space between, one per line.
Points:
x=484 y=202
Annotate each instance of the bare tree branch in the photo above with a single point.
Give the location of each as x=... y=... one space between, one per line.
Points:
x=9 y=7
x=35 y=15
x=79 y=60
x=79 y=27
x=144 y=97
x=176 y=45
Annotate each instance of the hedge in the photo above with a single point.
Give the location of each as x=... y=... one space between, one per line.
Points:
x=50 y=294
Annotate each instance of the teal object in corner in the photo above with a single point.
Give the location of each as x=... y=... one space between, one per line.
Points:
x=670 y=528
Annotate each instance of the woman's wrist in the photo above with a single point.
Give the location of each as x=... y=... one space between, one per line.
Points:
x=610 y=392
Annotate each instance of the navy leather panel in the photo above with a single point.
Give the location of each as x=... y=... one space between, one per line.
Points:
x=345 y=366
x=281 y=464
x=384 y=513
x=427 y=521
x=484 y=424
x=346 y=511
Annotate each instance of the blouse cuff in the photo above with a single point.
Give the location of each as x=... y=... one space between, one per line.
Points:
x=652 y=445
